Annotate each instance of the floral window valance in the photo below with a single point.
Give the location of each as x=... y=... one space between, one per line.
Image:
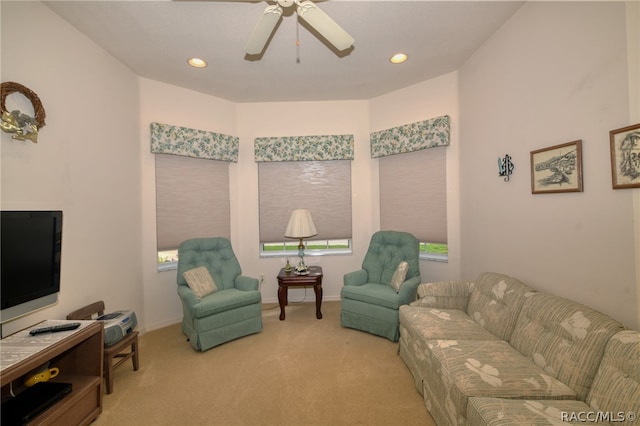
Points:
x=167 y=139
x=304 y=148
x=411 y=137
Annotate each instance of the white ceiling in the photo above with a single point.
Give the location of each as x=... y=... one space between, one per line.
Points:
x=155 y=39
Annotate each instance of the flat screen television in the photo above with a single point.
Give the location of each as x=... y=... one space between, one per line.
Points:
x=31 y=247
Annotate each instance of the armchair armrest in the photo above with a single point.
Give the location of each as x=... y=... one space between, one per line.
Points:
x=188 y=297
x=246 y=283
x=359 y=277
x=444 y=295
x=408 y=290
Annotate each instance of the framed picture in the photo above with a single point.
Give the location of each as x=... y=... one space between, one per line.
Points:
x=557 y=168
x=625 y=157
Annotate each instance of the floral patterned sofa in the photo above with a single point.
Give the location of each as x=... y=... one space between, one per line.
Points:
x=495 y=351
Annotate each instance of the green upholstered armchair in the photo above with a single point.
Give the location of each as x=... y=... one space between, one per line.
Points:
x=369 y=302
x=233 y=310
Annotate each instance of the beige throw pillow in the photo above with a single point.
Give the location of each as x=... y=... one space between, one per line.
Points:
x=200 y=281
x=399 y=275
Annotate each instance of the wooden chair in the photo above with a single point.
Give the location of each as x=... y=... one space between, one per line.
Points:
x=117 y=350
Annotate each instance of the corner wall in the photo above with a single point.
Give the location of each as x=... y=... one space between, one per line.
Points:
x=554 y=73
x=85 y=162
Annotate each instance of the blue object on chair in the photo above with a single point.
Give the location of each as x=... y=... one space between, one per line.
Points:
x=233 y=311
x=368 y=301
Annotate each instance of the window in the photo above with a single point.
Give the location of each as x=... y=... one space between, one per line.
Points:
x=413 y=198
x=192 y=201
x=323 y=187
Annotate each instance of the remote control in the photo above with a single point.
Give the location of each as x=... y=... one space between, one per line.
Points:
x=55 y=328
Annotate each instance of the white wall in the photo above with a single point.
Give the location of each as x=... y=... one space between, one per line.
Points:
x=85 y=162
x=554 y=73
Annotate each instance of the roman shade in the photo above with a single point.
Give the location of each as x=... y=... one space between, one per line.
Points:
x=312 y=172
x=192 y=199
x=413 y=194
x=323 y=187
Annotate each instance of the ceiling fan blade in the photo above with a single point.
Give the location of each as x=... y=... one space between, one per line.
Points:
x=324 y=25
x=264 y=28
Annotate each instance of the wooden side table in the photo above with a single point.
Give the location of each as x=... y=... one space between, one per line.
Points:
x=291 y=279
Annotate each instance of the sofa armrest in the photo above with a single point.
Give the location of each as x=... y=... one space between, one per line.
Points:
x=408 y=290
x=444 y=295
x=246 y=283
x=359 y=277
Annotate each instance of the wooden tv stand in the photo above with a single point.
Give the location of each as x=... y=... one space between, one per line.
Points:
x=78 y=355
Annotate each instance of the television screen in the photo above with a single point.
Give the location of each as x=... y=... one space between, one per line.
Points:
x=31 y=244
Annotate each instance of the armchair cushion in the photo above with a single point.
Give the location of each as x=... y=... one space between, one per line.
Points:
x=199 y=280
x=224 y=300
x=386 y=250
x=375 y=294
x=399 y=275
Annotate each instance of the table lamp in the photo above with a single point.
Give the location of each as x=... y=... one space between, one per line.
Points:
x=301 y=226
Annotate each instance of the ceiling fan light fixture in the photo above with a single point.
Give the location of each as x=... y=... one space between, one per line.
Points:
x=197 y=62
x=398 y=58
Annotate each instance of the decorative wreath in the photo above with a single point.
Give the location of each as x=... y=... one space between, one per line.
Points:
x=11 y=87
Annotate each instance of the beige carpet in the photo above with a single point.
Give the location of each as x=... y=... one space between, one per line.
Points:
x=301 y=371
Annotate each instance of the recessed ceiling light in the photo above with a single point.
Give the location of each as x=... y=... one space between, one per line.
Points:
x=197 y=62
x=398 y=58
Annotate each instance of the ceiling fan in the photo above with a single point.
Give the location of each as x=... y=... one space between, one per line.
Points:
x=308 y=12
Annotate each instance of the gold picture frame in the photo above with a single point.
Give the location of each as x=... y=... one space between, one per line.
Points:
x=557 y=168
x=625 y=157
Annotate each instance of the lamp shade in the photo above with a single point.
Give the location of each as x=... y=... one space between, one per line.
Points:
x=300 y=225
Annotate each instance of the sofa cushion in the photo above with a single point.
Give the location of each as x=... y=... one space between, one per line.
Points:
x=615 y=394
x=564 y=338
x=509 y=412
x=433 y=324
x=420 y=325
x=496 y=301
x=445 y=294
x=616 y=387
x=491 y=368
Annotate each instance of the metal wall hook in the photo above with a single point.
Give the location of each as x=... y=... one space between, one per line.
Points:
x=505 y=167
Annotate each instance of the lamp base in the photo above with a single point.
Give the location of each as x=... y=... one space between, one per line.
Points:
x=302 y=268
